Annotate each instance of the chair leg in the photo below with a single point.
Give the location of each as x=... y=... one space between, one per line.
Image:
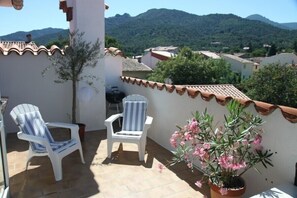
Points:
x=57 y=167
x=141 y=150
x=30 y=155
x=109 y=148
x=81 y=155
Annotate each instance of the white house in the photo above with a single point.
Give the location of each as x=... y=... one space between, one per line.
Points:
x=282 y=59
x=152 y=57
x=239 y=65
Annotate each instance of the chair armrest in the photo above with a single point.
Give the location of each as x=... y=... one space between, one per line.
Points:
x=149 y=120
x=112 y=118
x=73 y=128
x=147 y=125
x=108 y=123
x=61 y=125
x=32 y=138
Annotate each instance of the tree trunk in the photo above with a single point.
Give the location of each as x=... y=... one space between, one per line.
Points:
x=74 y=101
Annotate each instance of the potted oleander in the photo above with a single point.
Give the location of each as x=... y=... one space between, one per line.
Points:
x=225 y=150
x=70 y=65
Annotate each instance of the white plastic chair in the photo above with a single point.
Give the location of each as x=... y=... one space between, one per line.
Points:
x=41 y=143
x=134 y=127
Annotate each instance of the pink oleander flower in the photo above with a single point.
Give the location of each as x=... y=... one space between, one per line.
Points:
x=206 y=146
x=190 y=165
x=193 y=126
x=223 y=191
x=245 y=142
x=173 y=142
x=257 y=140
x=161 y=167
x=198 y=184
x=188 y=136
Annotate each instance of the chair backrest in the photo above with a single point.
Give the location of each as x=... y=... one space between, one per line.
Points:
x=30 y=122
x=134 y=115
x=21 y=109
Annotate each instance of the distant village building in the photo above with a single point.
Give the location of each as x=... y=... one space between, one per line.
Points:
x=170 y=49
x=154 y=55
x=208 y=54
x=242 y=66
x=132 y=68
x=282 y=59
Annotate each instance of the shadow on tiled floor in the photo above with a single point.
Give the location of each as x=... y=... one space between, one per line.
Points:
x=121 y=176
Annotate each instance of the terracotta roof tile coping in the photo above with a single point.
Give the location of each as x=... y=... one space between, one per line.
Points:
x=263 y=108
x=20 y=47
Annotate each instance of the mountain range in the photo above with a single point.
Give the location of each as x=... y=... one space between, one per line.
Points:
x=158 y=27
x=288 y=26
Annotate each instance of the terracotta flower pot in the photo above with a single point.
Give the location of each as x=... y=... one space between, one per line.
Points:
x=231 y=192
x=81 y=131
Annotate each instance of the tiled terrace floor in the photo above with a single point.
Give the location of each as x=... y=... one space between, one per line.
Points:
x=121 y=176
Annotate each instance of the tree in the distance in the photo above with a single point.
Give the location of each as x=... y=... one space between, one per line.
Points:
x=275 y=84
x=189 y=68
x=272 y=50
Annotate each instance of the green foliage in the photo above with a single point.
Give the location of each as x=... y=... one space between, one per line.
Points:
x=60 y=42
x=159 y=27
x=111 y=42
x=261 y=52
x=272 y=50
x=193 y=69
x=275 y=84
x=295 y=46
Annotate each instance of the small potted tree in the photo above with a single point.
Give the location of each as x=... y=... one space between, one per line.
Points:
x=70 y=65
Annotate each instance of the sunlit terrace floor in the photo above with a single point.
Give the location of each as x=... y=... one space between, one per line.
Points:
x=121 y=176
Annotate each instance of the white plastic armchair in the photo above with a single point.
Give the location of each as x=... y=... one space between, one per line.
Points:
x=41 y=143
x=134 y=127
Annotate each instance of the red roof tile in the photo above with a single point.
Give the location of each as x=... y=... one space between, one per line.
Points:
x=263 y=108
x=114 y=51
x=221 y=89
x=21 y=47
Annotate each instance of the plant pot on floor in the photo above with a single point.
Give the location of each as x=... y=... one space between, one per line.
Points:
x=81 y=131
x=231 y=192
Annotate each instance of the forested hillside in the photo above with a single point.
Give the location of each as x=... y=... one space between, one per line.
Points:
x=214 y=32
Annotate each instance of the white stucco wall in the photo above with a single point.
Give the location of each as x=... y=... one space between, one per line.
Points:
x=113 y=71
x=244 y=68
x=149 y=60
x=22 y=82
x=171 y=109
x=283 y=58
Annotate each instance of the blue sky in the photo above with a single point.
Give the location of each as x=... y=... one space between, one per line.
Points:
x=38 y=14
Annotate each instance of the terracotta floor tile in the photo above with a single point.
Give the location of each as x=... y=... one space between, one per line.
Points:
x=121 y=176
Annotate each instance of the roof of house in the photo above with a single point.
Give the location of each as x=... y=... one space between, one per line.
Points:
x=242 y=60
x=209 y=54
x=21 y=47
x=226 y=90
x=133 y=65
x=162 y=48
x=162 y=55
x=263 y=108
x=114 y=51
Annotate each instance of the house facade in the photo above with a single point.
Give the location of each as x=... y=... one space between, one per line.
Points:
x=239 y=65
x=154 y=55
x=282 y=59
